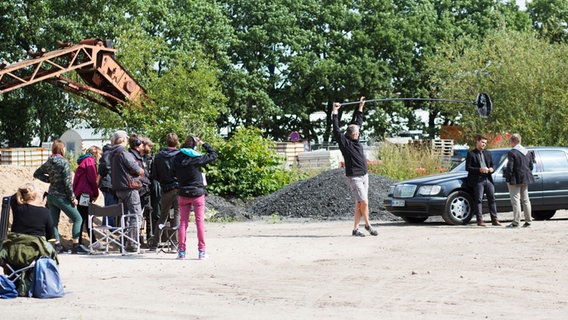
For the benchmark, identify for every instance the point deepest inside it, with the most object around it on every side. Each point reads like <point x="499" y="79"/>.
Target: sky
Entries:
<point x="522" y="4"/>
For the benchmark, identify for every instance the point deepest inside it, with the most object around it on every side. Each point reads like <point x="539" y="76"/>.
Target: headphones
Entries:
<point x="136" y="142"/>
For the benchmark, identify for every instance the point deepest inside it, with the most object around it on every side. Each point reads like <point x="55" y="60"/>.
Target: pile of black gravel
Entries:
<point x="323" y="197"/>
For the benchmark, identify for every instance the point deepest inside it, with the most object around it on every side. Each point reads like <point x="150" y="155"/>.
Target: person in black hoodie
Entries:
<point x="355" y="165"/>
<point x="191" y="183"/>
<point x="162" y="171"/>
<point x="104" y="182"/>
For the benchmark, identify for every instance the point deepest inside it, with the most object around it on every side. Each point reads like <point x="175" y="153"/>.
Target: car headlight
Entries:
<point x="429" y="190"/>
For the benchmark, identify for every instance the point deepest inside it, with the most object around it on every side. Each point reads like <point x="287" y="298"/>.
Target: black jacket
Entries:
<point x="352" y="150"/>
<point x="519" y="166"/>
<point x="162" y="169"/>
<point x="473" y="164"/>
<point x="188" y="171"/>
<point x="104" y="170"/>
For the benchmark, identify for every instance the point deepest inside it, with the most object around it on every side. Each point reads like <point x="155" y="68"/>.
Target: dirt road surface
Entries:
<point x="317" y="270"/>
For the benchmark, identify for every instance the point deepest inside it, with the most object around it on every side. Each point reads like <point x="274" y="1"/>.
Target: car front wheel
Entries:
<point x="459" y="208"/>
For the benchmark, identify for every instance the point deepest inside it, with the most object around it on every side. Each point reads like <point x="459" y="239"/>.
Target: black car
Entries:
<point x="448" y="195"/>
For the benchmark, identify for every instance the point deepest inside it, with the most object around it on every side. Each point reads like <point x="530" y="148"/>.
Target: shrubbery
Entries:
<point x="248" y="166"/>
<point x="401" y="162"/>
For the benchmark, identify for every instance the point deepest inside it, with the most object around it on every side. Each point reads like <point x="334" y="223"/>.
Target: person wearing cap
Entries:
<point x="479" y="166"/>
<point x="125" y="178"/>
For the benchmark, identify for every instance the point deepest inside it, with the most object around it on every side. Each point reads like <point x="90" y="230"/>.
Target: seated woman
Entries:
<point x="28" y="216"/>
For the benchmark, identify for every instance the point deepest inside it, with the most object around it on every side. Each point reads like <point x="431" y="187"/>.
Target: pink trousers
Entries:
<point x="185" y="204"/>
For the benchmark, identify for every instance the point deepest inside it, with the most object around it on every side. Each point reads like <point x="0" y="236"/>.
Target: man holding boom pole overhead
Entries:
<point x="355" y="165"/>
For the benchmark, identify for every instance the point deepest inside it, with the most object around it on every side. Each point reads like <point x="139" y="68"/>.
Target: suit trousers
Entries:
<point x="482" y="186"/>
<point x="520" y="196"/>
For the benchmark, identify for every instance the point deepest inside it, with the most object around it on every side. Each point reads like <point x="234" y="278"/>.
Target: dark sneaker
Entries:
<point x="59" y="248"/>
<point x="512" y="225"/>
<point x="371" y="231"/>
<point x="357" y="233"/>
<point x="526" y="225"/>
<point x="79" y="249"/>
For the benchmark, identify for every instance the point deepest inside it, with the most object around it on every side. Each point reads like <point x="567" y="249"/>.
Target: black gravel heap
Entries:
<point x="324" y="197"/>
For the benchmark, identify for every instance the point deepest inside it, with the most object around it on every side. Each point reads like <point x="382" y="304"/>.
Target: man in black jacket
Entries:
<point x="519" y="176"/>
<point x="162" y="171"/>
<point x="479" y="166"/>
<point x="355" y="166"/>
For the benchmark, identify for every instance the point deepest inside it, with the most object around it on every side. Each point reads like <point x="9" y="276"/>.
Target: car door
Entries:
<point x="502" y="198"/>
<point x="553" y="176"/>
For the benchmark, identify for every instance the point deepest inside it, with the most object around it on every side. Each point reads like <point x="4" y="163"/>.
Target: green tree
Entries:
<point x="525" y="77"/>
<point x="550" y="19"/>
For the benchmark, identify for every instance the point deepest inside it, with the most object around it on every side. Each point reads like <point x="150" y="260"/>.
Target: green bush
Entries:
<point x="248" y="166"/>
<point x="401" y="162"/>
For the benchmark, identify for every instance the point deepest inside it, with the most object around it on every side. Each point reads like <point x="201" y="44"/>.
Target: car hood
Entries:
<point x="436" y="178"/>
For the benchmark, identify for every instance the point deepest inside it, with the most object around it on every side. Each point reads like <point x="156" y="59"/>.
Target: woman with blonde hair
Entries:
<point x="57" y="173"/>
<point x="28" y="216"/>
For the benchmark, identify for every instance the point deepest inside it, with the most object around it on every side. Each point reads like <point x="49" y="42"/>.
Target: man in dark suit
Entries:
<point x="479" y="166"/>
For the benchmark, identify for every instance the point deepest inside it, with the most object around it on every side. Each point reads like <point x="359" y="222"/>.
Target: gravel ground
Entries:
<point x="323" y="197"/>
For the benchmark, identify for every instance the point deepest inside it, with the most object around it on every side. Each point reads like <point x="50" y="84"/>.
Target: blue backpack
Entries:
<point x="7" y="288"/>
<point x="46" y="282"/>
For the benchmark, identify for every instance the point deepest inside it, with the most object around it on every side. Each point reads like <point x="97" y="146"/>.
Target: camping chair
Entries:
<point x="106" y="234"/>
<point x="170" y="235"/>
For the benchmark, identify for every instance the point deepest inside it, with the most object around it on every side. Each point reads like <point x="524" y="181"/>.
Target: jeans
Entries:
<point x="58" y="204"/>
<point x="185" y="204"/>
<point x="110" y="199"/>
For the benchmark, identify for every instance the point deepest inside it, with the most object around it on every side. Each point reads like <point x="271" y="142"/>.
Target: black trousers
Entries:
<point x="482" y="186"/>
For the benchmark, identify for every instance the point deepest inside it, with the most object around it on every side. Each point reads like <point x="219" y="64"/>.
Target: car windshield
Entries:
<point x="498" y="155"/>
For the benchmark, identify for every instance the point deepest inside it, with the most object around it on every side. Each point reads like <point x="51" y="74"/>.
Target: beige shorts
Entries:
<point x="359" y="187"/>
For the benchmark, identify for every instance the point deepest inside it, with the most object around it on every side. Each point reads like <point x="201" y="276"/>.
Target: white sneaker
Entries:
<point x="98" y="246"/>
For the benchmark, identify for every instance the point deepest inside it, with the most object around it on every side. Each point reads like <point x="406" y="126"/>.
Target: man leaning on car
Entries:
<point x="479" y="166"/>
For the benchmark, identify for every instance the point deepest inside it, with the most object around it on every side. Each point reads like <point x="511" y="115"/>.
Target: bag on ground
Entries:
<point x="46" y="281"/>
<point x="7" y="288"/>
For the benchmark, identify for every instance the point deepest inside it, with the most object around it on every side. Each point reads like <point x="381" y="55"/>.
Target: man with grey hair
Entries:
<point x="356" y="168"/>
<point x="125" y="178"/>
<point x="519" y="175"/>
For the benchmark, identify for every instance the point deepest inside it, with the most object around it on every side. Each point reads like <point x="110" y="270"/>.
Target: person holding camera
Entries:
<point x="188" y="164"/>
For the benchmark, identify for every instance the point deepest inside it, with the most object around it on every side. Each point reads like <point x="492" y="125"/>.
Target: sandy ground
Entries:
<point x="317" y="270"/>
